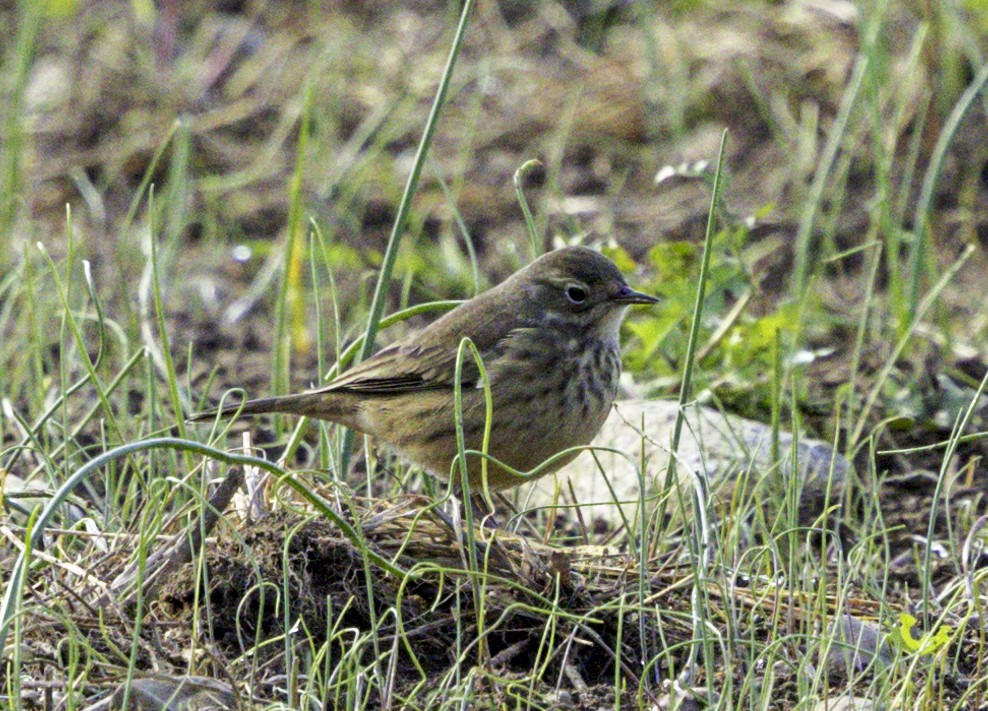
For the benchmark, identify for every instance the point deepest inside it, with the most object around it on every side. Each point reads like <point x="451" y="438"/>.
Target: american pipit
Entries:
<point x="548" y="337"/>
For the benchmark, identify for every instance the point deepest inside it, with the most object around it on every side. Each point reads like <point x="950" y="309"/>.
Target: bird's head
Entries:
<point x="580" y="288"/>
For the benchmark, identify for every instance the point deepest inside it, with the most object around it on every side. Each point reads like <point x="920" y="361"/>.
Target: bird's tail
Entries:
<point x="336" y="407"/>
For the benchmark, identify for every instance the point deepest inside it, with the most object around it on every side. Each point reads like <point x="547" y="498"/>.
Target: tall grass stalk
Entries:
<point x="468" y="347"/>
<point x="921" y="218"/>
<point x="462" y="226"/>
<point x="855" y="437"/>
<point x="530" y="227"/>
<point x="405" y="206"/>
<point x="822" y="173"/>
<point x="946" y="467"/>
<point x="80" y="343"/>
<point x="700" y="529"/>
<point x="17" y="67"/>
<point x="179" y="403"/>
<point x="289" y="310"/>
<point x="329" y="453"/>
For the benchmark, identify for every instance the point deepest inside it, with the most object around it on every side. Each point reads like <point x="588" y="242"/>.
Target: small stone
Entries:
<point x="180" y="693"/>
<point x="846" y="703"/>
<point x="856" y="644"/>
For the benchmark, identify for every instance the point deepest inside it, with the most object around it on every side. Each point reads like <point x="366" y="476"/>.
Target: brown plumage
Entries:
<point x="548" y="337"/>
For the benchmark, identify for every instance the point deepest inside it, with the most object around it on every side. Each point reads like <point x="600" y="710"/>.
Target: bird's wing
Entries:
<point x="405" y="367"/>
<point x="427" y="360"/>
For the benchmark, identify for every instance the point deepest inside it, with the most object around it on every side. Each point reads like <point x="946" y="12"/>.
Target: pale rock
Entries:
<point x="714" y="446"/>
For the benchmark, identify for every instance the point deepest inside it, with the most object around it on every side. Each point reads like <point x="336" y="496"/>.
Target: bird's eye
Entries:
<point x="576" y="294"/>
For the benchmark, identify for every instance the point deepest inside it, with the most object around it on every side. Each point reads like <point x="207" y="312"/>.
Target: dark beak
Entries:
<point x="627" y="295"/>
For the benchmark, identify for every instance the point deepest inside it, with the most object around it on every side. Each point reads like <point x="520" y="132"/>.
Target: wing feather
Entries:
<point x="427" y="360"/>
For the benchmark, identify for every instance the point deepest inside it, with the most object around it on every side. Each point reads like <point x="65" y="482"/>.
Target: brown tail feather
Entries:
<point x="335" y="407"/>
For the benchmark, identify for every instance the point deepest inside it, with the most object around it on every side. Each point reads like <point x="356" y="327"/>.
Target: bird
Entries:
<point x="548" y="337"/>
